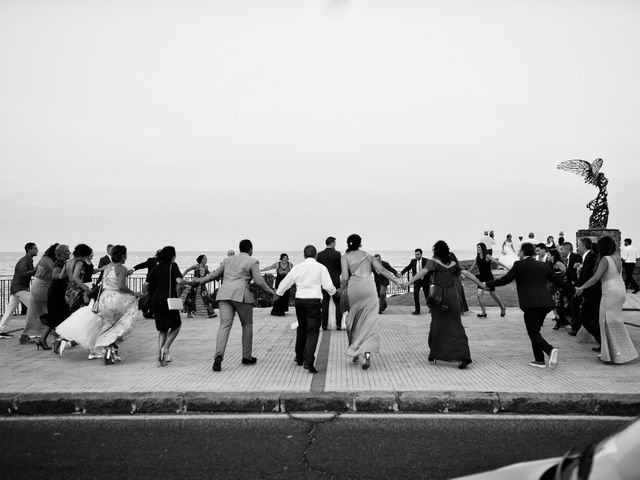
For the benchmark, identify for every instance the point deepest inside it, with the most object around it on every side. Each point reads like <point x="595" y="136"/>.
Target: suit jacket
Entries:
<point x="572" y="272"/>
<point x="381" y="280"/>
<point x="531" y="278"/>
<point x="592" y="294"/>
<point x="237" y="272"/>
<point x="104" y="261"/>
<point x="412" y="266"/>
<point x="330" y="258"/>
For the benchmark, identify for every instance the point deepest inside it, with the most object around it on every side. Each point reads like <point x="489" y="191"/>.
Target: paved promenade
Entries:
<point x="400" y="378"/>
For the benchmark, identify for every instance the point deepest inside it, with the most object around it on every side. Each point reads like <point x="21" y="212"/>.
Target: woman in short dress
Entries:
<point x="447" y="339"/>
<point x="163" y="282"/>
<point x="484" y="261"/>
<point x="357" y="279"/>
<point x="198" y="300"/>
<point x="39" y="293"/>
<point x="616" y="345"/>
<point x="282" y="267"/>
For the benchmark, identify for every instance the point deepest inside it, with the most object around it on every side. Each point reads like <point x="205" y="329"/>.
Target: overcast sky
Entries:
<point x="198" y="123"/>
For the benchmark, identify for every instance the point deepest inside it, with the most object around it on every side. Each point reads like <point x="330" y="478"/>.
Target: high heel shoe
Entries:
<point x="41" y="345"/>
<point x="162" y="361"/>
<point x="367" y="361"/>
<point x="503" y="311"/>
<point x="63" y="344"/>
<point x="109" y="356"/>
<point x="482" y="315"/>
<point x="56" y="346"/>
<point x="356" y="359"/>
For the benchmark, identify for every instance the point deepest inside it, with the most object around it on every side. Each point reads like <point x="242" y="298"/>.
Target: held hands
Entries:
<point x="579" y="291"/>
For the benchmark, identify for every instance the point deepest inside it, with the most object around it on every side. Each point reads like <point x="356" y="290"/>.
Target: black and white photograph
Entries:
<point x="320" y="239"/>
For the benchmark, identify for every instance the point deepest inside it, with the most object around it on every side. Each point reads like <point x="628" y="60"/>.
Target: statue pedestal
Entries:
<point x="596" y="233"/>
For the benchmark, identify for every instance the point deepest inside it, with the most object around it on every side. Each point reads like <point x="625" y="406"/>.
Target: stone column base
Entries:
<point x="596" y="233"/>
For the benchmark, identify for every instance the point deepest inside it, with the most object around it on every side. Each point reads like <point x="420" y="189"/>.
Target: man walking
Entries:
<point x="572" y="308"/>
<point x="104" y="261"/>
<point x="312" y="279"/>
<point x="534" y="298"/>
<point x="415" y="265"/>
<point x="234" y="296"/>
<point x="382" y="283"/>
<point x="330" y="258"/>
<point x="589" y="316"/>
<point x="20" y="283"/>
<point x="629" y="257"/>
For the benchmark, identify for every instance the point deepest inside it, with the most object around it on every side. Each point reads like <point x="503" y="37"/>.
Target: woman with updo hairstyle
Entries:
<point x="358" y="286"/>
<point x="447" y="339"/>
<point x="282" y="268"/>
<point x="197" y="301"/>
<point x="117" y="308"/>
<point x="616" y="345"/>
<point x="77" y="294"/>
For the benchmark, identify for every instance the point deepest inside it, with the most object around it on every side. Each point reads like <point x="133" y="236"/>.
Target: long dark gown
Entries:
<point x="281" y="305"/>
<point x="57" y="306"/>
<point x="447" y="339"/>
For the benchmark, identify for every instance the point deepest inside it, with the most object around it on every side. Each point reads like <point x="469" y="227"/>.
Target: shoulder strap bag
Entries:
<point x="173" y="303"/>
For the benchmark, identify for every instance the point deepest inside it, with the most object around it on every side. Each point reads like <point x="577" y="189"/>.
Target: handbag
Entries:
<point x="95" y="307"/>
<point x="173" y="303"/>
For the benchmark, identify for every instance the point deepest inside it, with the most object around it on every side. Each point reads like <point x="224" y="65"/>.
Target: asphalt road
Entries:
<point x="285" y="447"/>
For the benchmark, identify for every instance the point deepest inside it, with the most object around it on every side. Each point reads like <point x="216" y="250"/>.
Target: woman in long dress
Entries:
<point x="282" y="268"/>
<point x="484" y="262"/>
<point x="509" y="254"/>
<point x="57" y="306"/>
<point x="117" y="307"/>
<point x="198" y="300"/>
<point x="616" y="346"/>
<point x="77" y="291"/>
<point x="447" y="338"/>
<point x="39" y="293"/>
<point x="357" y="279"/>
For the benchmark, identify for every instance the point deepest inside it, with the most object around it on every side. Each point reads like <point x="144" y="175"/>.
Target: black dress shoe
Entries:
<point x="415" y="313"/>
<point x="217" y="364"/>
<point x="311" y="369"/>
<point x="596" y="349"/>
<point x="249" y="361"/>
<point x="298" y="361"/>
<point x="338" y="328"/>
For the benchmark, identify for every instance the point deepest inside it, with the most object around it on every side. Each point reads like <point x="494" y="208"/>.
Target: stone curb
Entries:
<point x="125" y="403"/>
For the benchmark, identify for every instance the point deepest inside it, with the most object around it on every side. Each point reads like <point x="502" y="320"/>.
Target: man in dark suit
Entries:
<point x="415" y="265"/>
<point x="589" y="315"/>
<point x="330" y="258"/>
<point x="382" y="283"/>
<point x="571" y="260"/>
<point x="534" y="298"/>
<point x="104" y="261"/>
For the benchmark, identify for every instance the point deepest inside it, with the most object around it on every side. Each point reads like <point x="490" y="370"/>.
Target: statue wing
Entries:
<point x="596" y="165"/>
<point x="580" y="167"/>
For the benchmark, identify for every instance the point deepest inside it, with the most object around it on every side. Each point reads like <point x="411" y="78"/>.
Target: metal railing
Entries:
<point x="136" y="283"/>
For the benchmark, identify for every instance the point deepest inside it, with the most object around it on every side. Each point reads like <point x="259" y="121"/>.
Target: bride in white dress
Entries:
<point x="509" y="255"/>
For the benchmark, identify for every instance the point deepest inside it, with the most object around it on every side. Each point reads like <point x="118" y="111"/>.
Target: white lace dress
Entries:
<point x="116" y="309"/>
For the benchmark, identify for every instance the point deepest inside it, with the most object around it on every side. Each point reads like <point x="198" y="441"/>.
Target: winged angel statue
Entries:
<point x="592" y="174"/>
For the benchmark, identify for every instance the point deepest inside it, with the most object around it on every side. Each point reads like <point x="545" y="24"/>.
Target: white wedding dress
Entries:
<point x="509" y="255"/>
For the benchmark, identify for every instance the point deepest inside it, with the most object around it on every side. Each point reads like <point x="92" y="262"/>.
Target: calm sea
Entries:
<point x="396" y="258"/>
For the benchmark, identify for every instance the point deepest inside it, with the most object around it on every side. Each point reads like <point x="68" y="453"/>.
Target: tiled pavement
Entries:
<point x="500" y="351"/>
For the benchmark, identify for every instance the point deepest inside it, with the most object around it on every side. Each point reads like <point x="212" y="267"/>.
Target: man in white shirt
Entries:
<point x="629" y="257"/>
<point x="488" y="241"/>
<point x="310" y="277"/>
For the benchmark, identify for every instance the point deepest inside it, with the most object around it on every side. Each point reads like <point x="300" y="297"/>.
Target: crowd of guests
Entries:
<point x="584" y="290"/>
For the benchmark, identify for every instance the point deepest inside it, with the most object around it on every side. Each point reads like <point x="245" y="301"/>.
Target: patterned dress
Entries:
<point x="197" y="299"/>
